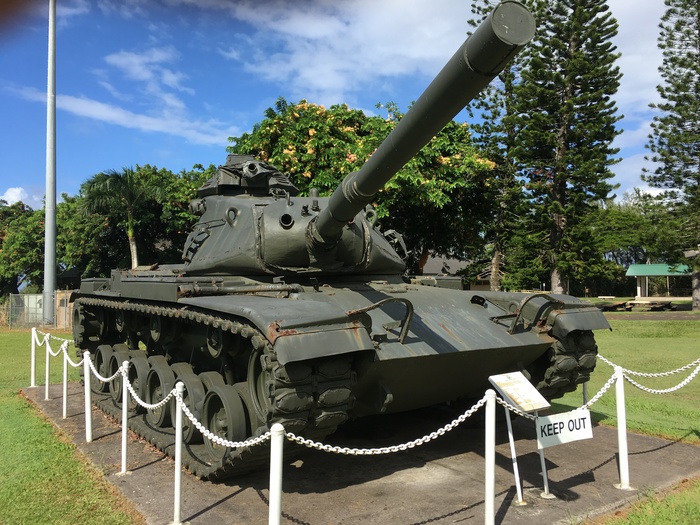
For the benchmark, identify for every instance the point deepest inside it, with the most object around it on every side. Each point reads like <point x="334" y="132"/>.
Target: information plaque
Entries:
<point x="518" y="391"/>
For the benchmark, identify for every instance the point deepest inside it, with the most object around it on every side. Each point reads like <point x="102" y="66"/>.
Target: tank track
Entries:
<point x="568" y="363"/>
<point x="310" y="399"/>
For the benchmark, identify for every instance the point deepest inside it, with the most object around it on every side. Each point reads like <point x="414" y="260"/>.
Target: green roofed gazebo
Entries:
<point x="643" y="271"/>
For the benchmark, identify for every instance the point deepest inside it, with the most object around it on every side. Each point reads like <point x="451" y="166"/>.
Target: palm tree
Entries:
<point x="122" y="191"/>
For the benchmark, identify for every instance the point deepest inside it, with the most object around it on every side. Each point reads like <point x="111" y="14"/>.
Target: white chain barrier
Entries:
<point x="617" y="379"/>
<point x="389" y="450"/>
<point x="627" y="373"/>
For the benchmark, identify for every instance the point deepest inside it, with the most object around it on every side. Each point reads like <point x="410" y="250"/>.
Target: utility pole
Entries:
<point x="50" y="198"/>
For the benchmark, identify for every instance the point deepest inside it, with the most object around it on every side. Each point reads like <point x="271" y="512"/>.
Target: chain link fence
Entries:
<point x="27" y="311"/>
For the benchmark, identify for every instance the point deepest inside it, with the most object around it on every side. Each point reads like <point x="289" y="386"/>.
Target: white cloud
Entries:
<point x="637" y="41"/>
<point x="635" y="133"/>
<point x="13" y="195"/>
<point x="32" y="197"/>
<point x="329" y="52"/>
<point x="230" y="53"/>
<point x="148" y="68"/>
<point x="208" y="132"/>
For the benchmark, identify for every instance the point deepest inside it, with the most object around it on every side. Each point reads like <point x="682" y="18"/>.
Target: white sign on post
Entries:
<point x="563" y="428"/>
<point x="518" y="391"/>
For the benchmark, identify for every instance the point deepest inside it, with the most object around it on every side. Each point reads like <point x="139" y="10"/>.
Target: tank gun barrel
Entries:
<point x="506" y="30"/>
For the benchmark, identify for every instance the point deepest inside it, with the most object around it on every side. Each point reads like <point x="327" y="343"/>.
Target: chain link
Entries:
<point x="512" y="408"/>
<point x="212" y="437"/>
<point x="602" y="391"/>
<point x="63" y="348"/>
<point x="649" y="374"/>
<point x="666" y="390"/>
<point x="125" y="374"/>
<point x="43" y="341"/>
<point x="60" y="349"/>
<point x="388" y="450"/>
<point x="98" y="376"/>
<point x="70" y="361"/>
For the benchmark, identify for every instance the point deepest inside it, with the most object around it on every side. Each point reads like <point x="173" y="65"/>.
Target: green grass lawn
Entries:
<point x="651" y="346"/>
<point x="648" y="346"/>
<point x="45" y="480"/>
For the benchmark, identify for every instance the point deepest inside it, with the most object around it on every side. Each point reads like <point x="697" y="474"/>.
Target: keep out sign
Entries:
<point x="563" y="428"/>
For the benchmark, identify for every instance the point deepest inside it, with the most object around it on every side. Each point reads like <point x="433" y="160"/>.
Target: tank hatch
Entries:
<point x="244" y="174"/>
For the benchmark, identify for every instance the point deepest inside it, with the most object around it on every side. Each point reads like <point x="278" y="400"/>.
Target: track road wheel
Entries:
<point x="225" y="417"/>
<point x="116" y="385"/>
<point x="102" y="357"/>
<point x="193" y="396"/>
<point x="211" y="379"/>
<point x="138" y="372"/>
<point x="159" y="383"/>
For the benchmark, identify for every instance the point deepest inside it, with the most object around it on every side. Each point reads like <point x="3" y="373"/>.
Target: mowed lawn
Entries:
<point x="45" y="480"/>
<point x="651" y="346"/>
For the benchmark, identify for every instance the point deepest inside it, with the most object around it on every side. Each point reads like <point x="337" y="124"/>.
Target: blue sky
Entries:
<point x="166" y="82"/>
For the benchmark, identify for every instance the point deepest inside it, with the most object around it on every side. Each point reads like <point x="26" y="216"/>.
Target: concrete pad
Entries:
<point x="440" y="482"/>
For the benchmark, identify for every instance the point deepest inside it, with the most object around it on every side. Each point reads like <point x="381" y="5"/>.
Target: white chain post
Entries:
<point x="179" y="388"/>
<point x="514" y="459"/>
<point x="490" y="459"/>
<point x="47" y="340"/>
<point x="65" y="380"/>
<point x="621" y="430"/>
<point x="276" y="453"/>
<point x="88" y="397"/>
<point x="545" y="494"/>
<point x="32" y="371"/>
<point x="125" y="412"/>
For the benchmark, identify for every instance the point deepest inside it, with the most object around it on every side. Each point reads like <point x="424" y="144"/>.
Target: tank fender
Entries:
<point x="310" y="345"/>
<point x="297" y="332"/>
<point x="563" y="322"/>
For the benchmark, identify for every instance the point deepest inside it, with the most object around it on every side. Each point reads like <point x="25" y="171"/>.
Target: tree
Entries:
<point x="495" y="134"/>
<point x="175" y="218"/>
<point x="21" y="247"/>
<point x="88" y="243"/>
<point x="675" y="139"/>
<point x="435" y="200"/>
<point x="566" y="126"/>
<point x="124" y="191"/>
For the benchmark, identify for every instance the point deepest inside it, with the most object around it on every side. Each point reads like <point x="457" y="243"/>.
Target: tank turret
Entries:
<point x="253" y="222"/>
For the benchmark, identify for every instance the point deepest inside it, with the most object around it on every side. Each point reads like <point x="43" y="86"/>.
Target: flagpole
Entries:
<point x="50" y="199"/>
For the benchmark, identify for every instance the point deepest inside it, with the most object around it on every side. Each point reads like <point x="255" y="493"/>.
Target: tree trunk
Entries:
<point x="134" y="253"/>
<point x="557" y="281"/>
<point x="696" y="289"/>
<point x="495" y="278"/>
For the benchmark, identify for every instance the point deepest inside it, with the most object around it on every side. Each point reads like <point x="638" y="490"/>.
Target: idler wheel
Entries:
<point x="260" y="382"/>
<point x="138" y="372"/>
<point x="159" y="383"/>
<point x="116" y="385"/>
<point x="102" y="357"/>
<point x="193" y="396"/>
<point x="225" y="417"/>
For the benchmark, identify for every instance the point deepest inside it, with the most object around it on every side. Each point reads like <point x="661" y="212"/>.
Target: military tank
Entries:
<point x="294" y="309"/>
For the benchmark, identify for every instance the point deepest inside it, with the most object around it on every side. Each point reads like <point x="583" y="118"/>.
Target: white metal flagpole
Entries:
<point x="50" y="197"/>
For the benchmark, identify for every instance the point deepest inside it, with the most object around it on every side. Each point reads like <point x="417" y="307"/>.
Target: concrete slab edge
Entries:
<point x="624" y="502"/>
